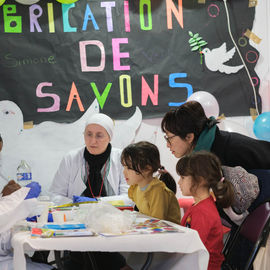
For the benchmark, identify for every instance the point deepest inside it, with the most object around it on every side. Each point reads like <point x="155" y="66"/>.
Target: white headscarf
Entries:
<point x="102" y="120"/>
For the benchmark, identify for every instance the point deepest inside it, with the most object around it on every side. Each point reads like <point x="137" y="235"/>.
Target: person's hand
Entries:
<point x="10" y="187"/>
<point x="78" y="199"/>
<point x="34" y="191"/>
<point x="34" y="218"/>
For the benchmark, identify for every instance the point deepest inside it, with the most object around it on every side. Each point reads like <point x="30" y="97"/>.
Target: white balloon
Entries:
<point x="27" y="2"/>
<point x="208" y="102"/>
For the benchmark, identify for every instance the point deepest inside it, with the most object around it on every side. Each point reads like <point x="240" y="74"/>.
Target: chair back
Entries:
<point x="241" y="248"/>
<point x="255" y="222"/>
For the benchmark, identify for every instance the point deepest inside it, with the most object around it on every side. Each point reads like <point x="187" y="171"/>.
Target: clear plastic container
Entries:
<point x="24" y="174"/>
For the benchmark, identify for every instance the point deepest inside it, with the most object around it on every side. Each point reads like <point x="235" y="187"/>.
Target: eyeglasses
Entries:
<point x="168" y="139"/>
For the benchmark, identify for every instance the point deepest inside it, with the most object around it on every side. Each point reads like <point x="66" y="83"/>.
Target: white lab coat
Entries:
<point x="12" y="209"/>
<point x="69" y="178"/>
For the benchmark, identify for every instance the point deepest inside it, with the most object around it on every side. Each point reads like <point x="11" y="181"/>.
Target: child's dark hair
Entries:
<point x="144" y="155"/>
<point x="206" y="165"/>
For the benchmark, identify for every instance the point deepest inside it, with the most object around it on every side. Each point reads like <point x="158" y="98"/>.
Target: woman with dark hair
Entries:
<point x="188" y="129"/>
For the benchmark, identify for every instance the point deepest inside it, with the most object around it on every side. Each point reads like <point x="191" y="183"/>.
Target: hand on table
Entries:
<point x="78" y="199"/>
<point x="10" y="187"/>
<point x="34" y="191"/>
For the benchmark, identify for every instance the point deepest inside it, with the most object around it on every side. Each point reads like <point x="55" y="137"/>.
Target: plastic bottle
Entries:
<point x="24" y="174"/>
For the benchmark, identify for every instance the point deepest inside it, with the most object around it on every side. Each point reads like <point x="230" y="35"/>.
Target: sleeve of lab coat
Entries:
<point x="5" y="244"/>
<point x="14" y="208"/>
<point x="59" y="186"/>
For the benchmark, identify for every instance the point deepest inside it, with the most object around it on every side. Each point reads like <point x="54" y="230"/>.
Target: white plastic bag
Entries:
<point x="102" y="217"/>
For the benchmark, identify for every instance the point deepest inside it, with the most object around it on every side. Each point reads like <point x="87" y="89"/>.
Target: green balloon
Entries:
<point x="2" y="2"/>
<point x="65" y="1"/>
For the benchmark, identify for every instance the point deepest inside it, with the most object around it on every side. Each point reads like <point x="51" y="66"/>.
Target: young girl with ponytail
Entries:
<point x="153" y="196"/>
<point x="200" y="173"/>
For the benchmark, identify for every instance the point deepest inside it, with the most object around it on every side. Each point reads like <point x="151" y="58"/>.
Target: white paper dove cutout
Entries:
<point x="44" y="145"/>
<point x="125" y="131"/>
<point x="11" y="118"/>
<point x="215" y="59"/>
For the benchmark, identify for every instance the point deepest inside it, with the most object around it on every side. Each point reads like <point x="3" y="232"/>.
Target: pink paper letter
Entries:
<point x="56" y="105"/>
<point x="84" y="66"/>
<point x="117" y="55"/>
<point x="146" y="91"/>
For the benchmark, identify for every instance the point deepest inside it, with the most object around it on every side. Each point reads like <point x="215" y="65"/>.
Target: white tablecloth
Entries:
<point x="184" y="249"/>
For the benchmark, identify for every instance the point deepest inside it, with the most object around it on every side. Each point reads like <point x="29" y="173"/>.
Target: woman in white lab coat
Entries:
<point x="93" y="171"/>
<point x="71" y="176"/>
<point x="13" y="208"/>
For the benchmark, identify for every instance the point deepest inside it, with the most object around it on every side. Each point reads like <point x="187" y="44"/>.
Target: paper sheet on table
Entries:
<point x="149" y="226"/>
<point x="118" y="198"/>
